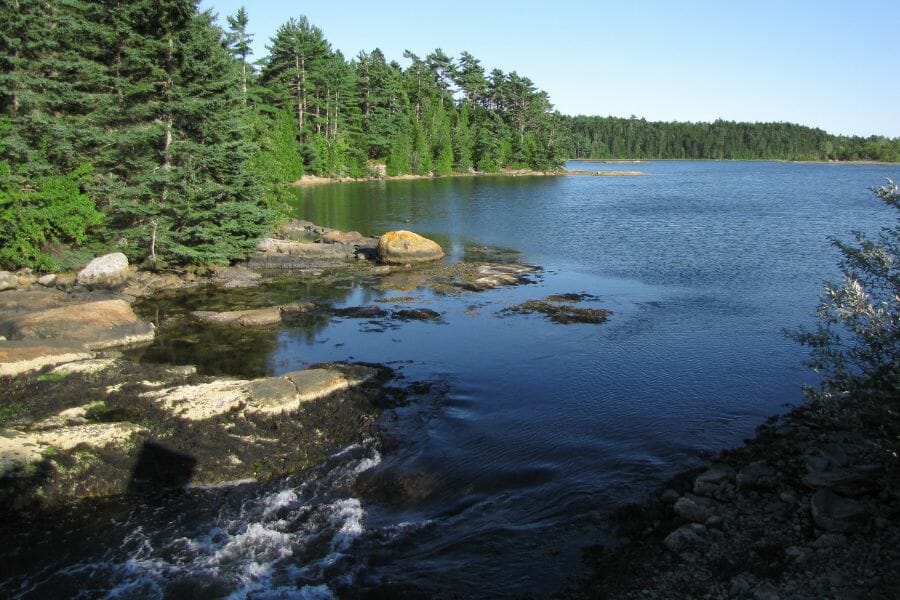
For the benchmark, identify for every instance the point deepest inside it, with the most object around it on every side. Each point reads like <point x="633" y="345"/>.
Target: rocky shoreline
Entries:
<point x="79" y="419"/>
<point x="808" y="508"/>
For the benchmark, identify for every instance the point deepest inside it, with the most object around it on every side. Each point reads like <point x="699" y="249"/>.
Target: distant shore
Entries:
<point x="625" y="161"/>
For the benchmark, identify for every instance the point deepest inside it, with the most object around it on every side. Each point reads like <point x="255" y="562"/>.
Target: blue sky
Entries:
<point x="826" y="63"/>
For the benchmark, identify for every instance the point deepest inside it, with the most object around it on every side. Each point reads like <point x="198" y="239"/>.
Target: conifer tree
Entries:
<point x="238" y="41"/>
<point x="184" y="193"/>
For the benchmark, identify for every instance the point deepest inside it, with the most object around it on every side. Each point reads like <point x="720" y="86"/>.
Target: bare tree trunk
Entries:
<point x="153" y="241"/>
<point x="301" y="90"/>
<point x="244" y="80"/>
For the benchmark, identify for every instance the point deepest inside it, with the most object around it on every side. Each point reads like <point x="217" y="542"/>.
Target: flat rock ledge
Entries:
<point x="52" y="336"/>
<point x="272" y="395"/>
<point x="301" y="245"/>
<point x="19" y="449"/>
<point x="98" y="426"/>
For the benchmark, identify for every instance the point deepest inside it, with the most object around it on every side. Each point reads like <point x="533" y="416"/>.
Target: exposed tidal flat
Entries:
<point x="488" y="443"/>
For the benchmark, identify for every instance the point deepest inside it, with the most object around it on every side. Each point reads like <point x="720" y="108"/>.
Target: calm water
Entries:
<point x="535" y="431"/>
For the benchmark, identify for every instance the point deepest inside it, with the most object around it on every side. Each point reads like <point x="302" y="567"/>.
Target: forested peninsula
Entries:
<point x="145" y="127"/>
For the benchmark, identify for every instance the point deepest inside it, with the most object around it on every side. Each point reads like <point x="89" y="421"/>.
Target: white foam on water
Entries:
<point x="289" y="543"/>
<point x="347" y="516"/>
<point x="277" y="501"/>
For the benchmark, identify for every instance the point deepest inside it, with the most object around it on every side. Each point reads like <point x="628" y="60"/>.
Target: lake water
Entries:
<point x="534" y="431"/>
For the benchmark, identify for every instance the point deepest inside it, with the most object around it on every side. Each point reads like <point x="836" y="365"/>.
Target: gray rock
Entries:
<point x="684" y="538"/>
<point x="799" y="554"/>
<point x="715" y="522"/>
<point x="109" y="271"/>
<point x="835" y="513"/>
<point x="757" y="475"/>
<point x="710" y="482"/>
<point x="669" y="496"/>
<point x="788" y="496"/>
<point x="854" y="480"/>
<point x="48" y="280"/>
<point x="692" y="508"/>
<point x="8" y="281"/>
<point x="830" y="540"/>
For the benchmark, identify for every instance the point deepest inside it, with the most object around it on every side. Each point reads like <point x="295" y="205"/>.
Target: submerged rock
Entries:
<point x="361" y="312"/>
<point x="258" y="317"/>
<point x="558" y="312"/>
<point x="402" y="247"/>
<point x="418" y="314"/>
<point x="110" y="270"/>
<point x="496" y="275"/>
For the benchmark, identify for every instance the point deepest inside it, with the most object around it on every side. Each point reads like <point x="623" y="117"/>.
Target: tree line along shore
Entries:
<point x="144" y="127"/>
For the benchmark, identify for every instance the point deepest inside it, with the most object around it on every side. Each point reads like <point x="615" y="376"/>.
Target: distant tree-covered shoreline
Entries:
<point x="143" y="126"/>
<point x="615" y="137"/>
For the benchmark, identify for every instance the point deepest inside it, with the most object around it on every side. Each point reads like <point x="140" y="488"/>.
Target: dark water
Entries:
<point x="493" y="486"/>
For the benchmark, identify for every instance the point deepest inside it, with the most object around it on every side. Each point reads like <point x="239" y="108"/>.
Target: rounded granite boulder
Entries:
<point x="107" y="271"/>
<point x="402" y="247"/>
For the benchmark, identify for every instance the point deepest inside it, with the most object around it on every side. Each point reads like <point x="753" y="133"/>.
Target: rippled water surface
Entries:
<point x="492" y="484"/>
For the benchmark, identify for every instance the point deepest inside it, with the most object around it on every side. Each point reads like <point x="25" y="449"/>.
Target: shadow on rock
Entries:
<point x="159" y="469"/>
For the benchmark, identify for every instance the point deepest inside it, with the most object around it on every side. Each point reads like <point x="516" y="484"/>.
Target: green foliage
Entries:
<point x="856" y="343"/>
<point x="276" y="161"/>
<point x="54" y="211"/>
<point x="401" y="150"/>
<point x="463" y="142"/>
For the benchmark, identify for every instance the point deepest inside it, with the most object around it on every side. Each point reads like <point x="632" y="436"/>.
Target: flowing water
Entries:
<point x="492" y="484"/>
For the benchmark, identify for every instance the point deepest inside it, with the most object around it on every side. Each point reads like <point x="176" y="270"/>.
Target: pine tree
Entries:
<point x="184" y="193"/>
<point x="398" y="161"/>
<point x="238" y="42"/>
<point x="463" y="141"/>
<point x="277" y="158"/>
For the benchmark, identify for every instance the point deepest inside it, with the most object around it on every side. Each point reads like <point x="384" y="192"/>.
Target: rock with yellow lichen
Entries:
<point x="402" y="247"/>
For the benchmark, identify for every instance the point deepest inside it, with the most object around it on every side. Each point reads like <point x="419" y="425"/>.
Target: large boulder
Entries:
<point x="402" y="247"/>
<point x="92" y="325"/>
<point x="110" y="270"/>
<point x="8" y="281"/>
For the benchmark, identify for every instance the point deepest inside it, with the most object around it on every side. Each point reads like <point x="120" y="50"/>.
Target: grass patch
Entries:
<point x="52" y="377"/>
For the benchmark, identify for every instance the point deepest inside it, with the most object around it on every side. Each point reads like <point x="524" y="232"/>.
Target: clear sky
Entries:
<point x="824" y="63"/>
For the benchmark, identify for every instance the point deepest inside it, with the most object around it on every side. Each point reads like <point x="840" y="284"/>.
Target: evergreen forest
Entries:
<point x="143" y="126"/>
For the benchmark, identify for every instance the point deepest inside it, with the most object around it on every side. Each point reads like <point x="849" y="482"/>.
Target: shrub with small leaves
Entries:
<point x="856" y="343"/>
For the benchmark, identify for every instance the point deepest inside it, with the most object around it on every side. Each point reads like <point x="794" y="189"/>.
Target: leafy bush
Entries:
<point x="54" y="210"/>
<point x="856" y="343"/>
